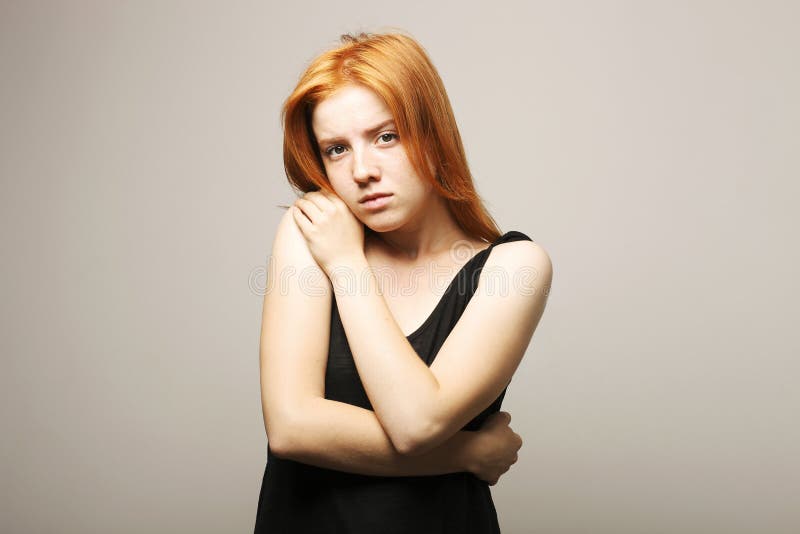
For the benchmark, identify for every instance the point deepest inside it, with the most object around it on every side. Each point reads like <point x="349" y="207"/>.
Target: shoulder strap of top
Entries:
<point x="512" y="235"/>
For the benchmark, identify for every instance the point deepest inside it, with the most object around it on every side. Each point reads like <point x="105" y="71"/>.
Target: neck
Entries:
<point x="430" y="234"/>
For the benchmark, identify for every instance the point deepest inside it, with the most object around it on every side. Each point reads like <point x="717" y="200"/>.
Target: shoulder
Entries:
<point x="289" y="242"/>
<point x="292" y="259"/>
<point x="287" y="234"/>
<point x="520" y="253"/>
<point x="525" y="264"/>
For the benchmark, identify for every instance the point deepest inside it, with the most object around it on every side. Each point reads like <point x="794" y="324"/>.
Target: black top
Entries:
<point x="298" y="498"/>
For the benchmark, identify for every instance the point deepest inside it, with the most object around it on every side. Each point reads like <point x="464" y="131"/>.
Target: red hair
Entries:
<point x="396" y="68"/>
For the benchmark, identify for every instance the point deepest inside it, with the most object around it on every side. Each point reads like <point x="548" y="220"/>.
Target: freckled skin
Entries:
<point x="366" y="162"/>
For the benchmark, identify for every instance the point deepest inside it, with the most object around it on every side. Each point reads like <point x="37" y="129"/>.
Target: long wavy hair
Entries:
<point x="397" y="68"/>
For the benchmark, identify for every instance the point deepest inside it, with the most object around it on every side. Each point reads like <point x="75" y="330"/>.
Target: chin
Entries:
<point x="382" y="228"/>
<point x="381" y="224"/>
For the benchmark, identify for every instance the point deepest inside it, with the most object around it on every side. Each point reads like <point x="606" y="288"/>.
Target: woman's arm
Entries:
<point x="422" y="406"/>
<point x="366" y="449"/>
<point x="340" y="436"/>
<point x="300" y="423"/>
<point x="419" y="406"/>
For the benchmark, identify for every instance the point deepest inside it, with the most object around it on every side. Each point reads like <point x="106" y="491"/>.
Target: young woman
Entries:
<point x="381" y="398"/>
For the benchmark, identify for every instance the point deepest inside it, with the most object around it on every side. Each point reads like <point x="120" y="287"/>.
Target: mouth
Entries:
<point x="376" y="201"/>
<point x="373" y="196"/>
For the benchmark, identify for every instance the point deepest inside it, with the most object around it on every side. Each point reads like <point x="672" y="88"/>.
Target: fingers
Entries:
<point x="505" y="417"/>
<point x="322" y="199"/>
<point x="309" y="209"/>
<point x="303" y="223"/>
<point x="315" y="203"/>
<point x="497" y="419"/>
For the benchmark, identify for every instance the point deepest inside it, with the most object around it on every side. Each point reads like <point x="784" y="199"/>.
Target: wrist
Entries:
<point x="465" y="451"/>
<point x="348" y="272"/>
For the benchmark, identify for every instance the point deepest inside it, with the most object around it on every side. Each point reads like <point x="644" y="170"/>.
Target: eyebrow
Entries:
<point x="372" y="130"/>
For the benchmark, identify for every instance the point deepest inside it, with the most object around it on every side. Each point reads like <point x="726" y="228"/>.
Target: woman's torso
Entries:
<point x="305" y="499"/>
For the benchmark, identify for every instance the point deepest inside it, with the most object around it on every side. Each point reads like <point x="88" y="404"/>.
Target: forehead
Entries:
<point x="349" y="110"/>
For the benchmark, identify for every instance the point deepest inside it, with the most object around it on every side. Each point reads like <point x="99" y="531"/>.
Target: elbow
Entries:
<point x="278" y="442"/>
<point x="280" y="437"/>
<point x="420" y="440"/>
<point x="279" y="445"/>
<point x="291" y="431"/>
<point x="406" y="446"/>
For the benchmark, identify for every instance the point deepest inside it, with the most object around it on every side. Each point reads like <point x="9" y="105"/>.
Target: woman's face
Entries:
<point x="363" y="155"/>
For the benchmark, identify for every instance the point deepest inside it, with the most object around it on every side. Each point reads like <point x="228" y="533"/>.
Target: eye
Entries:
<point x="334" y="150"/>
<point x="331" y="151"/>
<point x="391" y="136"/>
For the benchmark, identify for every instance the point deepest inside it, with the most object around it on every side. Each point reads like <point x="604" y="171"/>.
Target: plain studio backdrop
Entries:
<point x="651" y="147"/>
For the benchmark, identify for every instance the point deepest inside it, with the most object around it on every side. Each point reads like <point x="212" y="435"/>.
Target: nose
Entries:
<point x="362" y="169"/>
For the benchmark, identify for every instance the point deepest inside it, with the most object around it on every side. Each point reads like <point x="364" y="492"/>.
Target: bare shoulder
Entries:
<point x="292" y="262"/>
<point x="289" y="239"/>
<point x="525" y="264"/>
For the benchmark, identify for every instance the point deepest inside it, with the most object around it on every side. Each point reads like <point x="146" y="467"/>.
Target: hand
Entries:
<point x="334" y="235"/>
<point x="496" y="447"/>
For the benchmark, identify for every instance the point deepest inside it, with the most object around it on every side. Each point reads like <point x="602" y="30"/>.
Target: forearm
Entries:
<point x="400" y="386"/>
<point x="340" y="436"/>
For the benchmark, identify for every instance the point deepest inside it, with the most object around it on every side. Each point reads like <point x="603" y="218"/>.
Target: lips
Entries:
<point x="373" y="196"/>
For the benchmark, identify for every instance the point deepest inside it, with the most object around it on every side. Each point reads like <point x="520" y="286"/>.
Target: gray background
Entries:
<point x="651" y="147"/>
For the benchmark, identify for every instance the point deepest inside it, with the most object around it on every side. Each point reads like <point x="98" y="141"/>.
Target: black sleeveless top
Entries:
<point x="298" y="498"/>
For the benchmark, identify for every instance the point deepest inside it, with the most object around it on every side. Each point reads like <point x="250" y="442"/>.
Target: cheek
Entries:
<point x="336" y="182"/>
<point x="421" y="187"/>
<point x="348" y="195"/>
